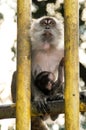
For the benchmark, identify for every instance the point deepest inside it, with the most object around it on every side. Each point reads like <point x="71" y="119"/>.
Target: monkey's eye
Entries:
<point x="43" y="23"/>
<point x="52" y="23"/>
<point x="47" y="22"/>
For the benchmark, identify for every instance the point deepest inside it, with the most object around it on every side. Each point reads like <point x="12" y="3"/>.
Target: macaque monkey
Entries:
<point x="47" y="66"/>
<point x="47" y="45"/>
<point x="47" y="60"/>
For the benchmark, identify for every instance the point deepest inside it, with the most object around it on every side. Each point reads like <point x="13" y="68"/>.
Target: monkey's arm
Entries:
<point x="58" y="86"/>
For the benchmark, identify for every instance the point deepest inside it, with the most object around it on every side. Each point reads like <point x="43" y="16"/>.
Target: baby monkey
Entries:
<point x="45" y="81"/>
<point x="47" y="60"/>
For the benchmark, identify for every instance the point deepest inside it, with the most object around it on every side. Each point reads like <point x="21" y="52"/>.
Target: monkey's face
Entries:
<point x="47" y="24"/>
<point x="46" y="32"/>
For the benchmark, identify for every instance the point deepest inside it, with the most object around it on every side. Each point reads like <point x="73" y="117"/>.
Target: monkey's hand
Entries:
<point x="44" y="81"/>
<point x="58" y="96"/>
<point x="41" y="105"/>
<point x="57" y="93"/>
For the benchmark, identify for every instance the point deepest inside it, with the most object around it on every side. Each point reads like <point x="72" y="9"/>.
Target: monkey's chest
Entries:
<point x="45" y="62"/>
<point x="48" y="63"/>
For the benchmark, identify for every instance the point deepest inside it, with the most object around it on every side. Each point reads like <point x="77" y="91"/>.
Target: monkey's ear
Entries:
<point x="33" y="20"/>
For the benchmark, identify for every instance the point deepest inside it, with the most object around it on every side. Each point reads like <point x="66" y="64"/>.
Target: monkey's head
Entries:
<point x="46" y="32"/>
<point x="45" y="82"/>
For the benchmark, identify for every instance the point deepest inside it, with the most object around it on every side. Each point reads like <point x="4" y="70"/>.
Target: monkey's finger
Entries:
<point x="45" y="108"/>
<point x="59" y="96"/>
<point x="40" y="107"/>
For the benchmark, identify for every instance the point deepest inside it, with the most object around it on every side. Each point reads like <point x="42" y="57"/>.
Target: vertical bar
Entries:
<point x="23" y="115"/>
<point x="71" y="65"/>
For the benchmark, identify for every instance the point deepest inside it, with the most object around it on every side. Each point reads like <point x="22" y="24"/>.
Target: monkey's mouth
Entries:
<point x="47" y="36"/>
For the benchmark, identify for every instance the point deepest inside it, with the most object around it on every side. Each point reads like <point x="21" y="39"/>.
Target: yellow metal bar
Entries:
<point x="23" y="107"/>
<point x="71" y="65"/>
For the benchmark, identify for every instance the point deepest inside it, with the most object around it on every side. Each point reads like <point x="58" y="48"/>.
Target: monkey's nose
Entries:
<point x="47" y="27"/>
